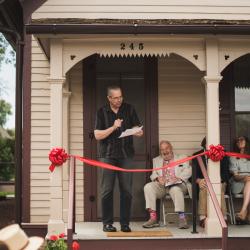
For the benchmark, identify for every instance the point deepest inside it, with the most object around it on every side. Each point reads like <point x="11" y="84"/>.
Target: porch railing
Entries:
<point x="214" y="201"/>
<point x="71" y="209"/>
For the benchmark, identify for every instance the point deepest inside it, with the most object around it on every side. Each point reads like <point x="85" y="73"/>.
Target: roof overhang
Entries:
<point x="119" y="26"/>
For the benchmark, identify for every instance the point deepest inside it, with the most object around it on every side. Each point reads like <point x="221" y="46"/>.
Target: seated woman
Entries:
<point x="240" y="182"/>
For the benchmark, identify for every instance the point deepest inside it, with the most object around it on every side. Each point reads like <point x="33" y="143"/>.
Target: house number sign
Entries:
<point x="131" y="46"/>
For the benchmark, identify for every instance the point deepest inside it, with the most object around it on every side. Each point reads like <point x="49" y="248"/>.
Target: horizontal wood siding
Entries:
<point x="40" y="136"/>
<point x="76" y="131"/>
<point x="181" y="104"/>
<point x="145" y="9"/>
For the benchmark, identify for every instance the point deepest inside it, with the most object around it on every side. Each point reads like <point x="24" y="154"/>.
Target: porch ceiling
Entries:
<point x="11" y="19"/>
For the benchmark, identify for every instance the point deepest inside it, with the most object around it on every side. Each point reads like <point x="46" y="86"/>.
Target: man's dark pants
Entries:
<point x="107" y="190"/>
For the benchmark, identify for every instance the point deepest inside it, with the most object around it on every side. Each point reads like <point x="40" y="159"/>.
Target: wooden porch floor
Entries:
<point x="93" y="231"/>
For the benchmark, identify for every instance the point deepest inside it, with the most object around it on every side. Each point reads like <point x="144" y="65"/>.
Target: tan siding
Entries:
<point x="76" y="132"/>
<point x="39" y="218"/>
<point x="40" y="135"/>
<point x="145" y="9"/>
<point x="181" y="104"/>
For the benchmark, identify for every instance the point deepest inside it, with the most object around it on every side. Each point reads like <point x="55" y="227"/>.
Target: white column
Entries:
<point x="66" y="98"/>
<point x="56" y="223"/>
<point x="212" y="80"/>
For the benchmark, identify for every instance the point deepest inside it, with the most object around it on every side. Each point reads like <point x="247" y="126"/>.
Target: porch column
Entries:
<point x="212" y="80"/>
<point x="56" y="223"/>
<point x="66" y="99"/>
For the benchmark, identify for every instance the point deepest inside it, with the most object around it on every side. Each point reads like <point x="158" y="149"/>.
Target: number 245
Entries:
<point x="132" y="46"/>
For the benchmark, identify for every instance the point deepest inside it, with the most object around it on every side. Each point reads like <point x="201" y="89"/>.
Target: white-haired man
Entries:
<point x="172" y="181"/>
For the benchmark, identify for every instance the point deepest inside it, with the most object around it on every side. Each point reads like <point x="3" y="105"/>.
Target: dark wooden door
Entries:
<point x="226" y="111"/>
<point x="138" y="79"/>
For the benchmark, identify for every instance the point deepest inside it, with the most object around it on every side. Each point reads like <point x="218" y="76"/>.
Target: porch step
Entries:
<point x="164" y="244"/>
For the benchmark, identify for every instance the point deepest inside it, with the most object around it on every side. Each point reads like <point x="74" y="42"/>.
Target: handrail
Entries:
<point x="215" y="203"/>
<point x="71" y="222"/>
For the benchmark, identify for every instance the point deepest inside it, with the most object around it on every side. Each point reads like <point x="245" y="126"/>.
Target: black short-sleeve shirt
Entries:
<point x="112" y="146"/>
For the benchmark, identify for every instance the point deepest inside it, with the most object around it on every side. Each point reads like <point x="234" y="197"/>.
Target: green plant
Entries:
<point x="7" y="167"/>
<point x="56" y="242"/>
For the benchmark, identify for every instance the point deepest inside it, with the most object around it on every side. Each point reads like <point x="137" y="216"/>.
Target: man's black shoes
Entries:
<point x="125" y="228"/>
<point x="109" y="228"/>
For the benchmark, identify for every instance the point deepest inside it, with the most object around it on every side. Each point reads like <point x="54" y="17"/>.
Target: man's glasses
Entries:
<point x="116" y="98"/>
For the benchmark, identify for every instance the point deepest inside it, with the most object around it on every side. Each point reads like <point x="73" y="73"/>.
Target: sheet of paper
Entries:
<point x="171" y="178"/>
<point x="130" y="131"/>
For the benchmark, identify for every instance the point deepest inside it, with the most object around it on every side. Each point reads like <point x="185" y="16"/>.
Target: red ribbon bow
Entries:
<point x="216" y="153"/>
<point x="57" y="156"/>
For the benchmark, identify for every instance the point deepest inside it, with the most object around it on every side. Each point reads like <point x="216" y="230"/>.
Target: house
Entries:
<point x="183" y="64"/>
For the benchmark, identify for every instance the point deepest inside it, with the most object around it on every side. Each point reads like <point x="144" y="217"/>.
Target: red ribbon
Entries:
<point x="58" y="156"/>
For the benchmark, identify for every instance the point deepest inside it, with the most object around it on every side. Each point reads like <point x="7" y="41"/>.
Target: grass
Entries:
<point x="4" y="194"/>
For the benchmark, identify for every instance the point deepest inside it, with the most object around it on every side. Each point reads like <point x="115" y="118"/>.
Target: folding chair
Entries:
<point x="235" y="196"/>
<point x="163" y="213"/>
<point x="229" y="202"/>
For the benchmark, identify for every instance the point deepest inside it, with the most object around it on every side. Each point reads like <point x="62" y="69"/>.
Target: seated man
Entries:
<point x="172" y="181"/>
<point x="202" y="187"/>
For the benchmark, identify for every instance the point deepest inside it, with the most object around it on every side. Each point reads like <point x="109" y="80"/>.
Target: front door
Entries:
<point x="137" y="78"/>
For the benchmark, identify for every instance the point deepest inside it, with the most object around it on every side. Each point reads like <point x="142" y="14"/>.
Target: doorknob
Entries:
<point x="91" y="135"/>
<point x="92" y="198"/>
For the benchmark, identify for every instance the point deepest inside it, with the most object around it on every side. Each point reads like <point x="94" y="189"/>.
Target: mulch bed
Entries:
<point x="7" y="212"/>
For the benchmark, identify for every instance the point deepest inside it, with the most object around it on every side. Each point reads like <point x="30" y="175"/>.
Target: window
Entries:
<point x="241" y="81"/>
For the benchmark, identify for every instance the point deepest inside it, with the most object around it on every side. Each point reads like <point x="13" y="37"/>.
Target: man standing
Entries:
<point x="112" y="119"/>
<point x="172" y="181"/>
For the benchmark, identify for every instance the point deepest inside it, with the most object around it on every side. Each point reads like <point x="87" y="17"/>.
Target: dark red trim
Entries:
<point x="29" y="6"/>
<point x="26" y="130"/>
<point x="164" y="244"/>
<point x="89" y="107"/>
<point x="152" y="129"/>
<point x="35" y="230"/>
<point x="137" y="29"/>
<point x="90" y="175"/>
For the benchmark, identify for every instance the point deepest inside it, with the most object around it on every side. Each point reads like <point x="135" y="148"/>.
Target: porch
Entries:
<point x="91" y="236"/>
<point x="186" y="108"/>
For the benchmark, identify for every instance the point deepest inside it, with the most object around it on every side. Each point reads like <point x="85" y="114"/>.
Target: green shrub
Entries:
<point x="7" y="166"/>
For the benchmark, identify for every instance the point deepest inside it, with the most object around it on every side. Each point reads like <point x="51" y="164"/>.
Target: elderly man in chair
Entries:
<point x="172" y="181"/>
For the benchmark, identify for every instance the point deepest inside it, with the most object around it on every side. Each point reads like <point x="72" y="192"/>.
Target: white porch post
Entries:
<point x="212" y="79"/>
<point x="66" y="99"/>
<point x="56" y="223"/>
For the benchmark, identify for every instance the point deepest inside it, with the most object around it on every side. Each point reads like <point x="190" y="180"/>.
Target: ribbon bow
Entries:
<point x="57" y="156"/>
<point x="216" y="153"/>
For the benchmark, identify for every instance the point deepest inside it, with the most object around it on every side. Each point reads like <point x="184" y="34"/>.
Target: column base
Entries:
<point x="213" y="227"/>
<point x="55" y="227"/>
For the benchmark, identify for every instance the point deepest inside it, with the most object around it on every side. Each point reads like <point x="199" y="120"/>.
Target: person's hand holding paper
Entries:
<point x="137" y="131"/>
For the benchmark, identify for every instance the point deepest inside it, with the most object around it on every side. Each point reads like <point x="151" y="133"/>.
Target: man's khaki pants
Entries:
<point x="154" y="190"/>
<point x="202" y="207"/>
